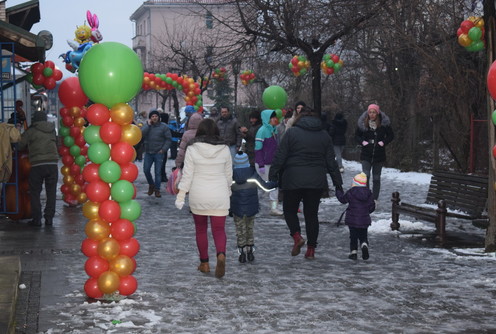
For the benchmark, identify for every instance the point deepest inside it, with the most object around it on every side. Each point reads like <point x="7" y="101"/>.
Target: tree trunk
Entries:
<point x="316" y="88"/>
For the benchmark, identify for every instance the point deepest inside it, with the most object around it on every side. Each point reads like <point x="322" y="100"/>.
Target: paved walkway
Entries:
<point x="408" y="285"/>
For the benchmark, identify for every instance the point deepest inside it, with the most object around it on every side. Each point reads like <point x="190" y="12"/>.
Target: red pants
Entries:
<point x="218" y="232"/>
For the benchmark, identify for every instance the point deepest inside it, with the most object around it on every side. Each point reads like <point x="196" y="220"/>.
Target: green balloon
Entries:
<point x="80" y="160"/>
<point x="130" y="210"/>
<point x="110" y="73"/>
<point x="47" y="72"/>
<point x="122" y="191"/>
<point x="99" y="153"/>
<point x="337" y="67"/>
<point x="475" y="33"/>
<point x="75" y="150"/>
<point x="109" y="171"/>
<point x="493" y="116"/>
<point x="92" y="134"/>
<point x="68" y="141"/>
<point x="274" y="97"/>
<point x="64" y="131"/>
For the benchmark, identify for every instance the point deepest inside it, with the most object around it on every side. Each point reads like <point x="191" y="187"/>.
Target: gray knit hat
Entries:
<point x="39" y="116"/>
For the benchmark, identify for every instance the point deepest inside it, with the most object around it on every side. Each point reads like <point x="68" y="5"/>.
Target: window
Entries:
<point x="209" y="20"/>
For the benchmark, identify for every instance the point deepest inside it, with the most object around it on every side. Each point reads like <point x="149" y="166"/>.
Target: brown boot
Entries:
<point x="298" y="243"/>
<point x="157" y="193"/>
<point x="220" y="269"/>
<point x="151" y="188"/>
<point x="310" y="254"/>
<point x="204" y="267"/>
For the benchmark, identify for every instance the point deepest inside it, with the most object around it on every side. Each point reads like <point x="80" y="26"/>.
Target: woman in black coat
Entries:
<point x="304" y="157"/>
<point x="337" y="131"/>
<point x="374" y="133"/>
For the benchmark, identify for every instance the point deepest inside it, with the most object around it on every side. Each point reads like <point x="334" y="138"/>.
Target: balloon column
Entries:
<point x="111" y="74"/>
<point x="331" y="64"/>
<point x="299" y="65"/>
<point x="73" y="149"/>
<point x="170" y="81"/>
<point x="247" y="77"/>
<point x="219" y="74"/>
<point x="45" y="75"/>
<point x="471" y="34"/>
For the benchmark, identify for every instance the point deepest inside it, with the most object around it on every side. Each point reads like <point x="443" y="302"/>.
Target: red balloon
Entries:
<point x="89" y="247"/>
<point x="79" y="179"/>
<point x="63" y="150"/>
<point x="127" y="285"/>
<point x="109" y="210"/>
<point x="129" y="247"/>
<point x="491" y="80"/>
<point x="50" y="64"/>
<point x="97" y="191"/>
<point x="64" y="112"/>
<point x="57" y="75"/>
<point x="71" y="94"/>
<point x="64" y="189"/>
<point x="68" y="120"/>
<point x="122" y="229"/>
<point x="84" y="150"/>
<point x="494" y="151"/>
<point x="129" y="172"/>
<point x="90" y="172"/>
<point x="91" y="288"/>
<point x="67" y="160"/>
<point x="98" y="114"/>
<point x="122" y="153"/>
<point x="95" y="266"/>
<point x="38" y="79"/>
<point x="37" y="68"/>
<point x="110" y="132"/>
<point x="49" y="83"/>
<point x="75" y="131"/>
<point x="75" y="169"/>
<point x="79" y="141"/>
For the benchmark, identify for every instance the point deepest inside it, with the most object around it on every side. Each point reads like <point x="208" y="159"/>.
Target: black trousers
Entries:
<point x="357" y="235"/>
<point x="311" y="202"/>
<point x="47" y="174"/>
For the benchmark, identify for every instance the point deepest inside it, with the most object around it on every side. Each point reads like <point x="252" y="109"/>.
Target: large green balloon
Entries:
<point x="110" y="73"/>
<point x="122" y="191"/>
<point x="109" y="171"/>
<point x="99" y="153"/>
<point x="274" y="97"/>
<point x="130" y="210"/>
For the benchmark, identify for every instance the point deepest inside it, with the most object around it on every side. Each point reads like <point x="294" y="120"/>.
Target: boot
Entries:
<point x="365" y="251"/>
<point x="220" y="269"/>
<point x="353" y="255"/>
<point x="298" y="243"/>
<point x="157" y="193"/>
<point x="242" y="255"/>
<point x="204" y="267"/>
<point x="151" y="188"/>
<point x="274" y="211"/>
<point x="250" y="251"/>
<point x="310" y="254"/>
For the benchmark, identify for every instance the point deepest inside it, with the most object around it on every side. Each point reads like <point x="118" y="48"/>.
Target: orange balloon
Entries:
<point x="90" y="209"/>
<point x="108" y="248"/>
<point x="68" y="179"/>
<point x="131" y="134"/>
<point x="65" y="170"/>
<point x="464" y="40"/>
<point x="108" y="282"/>
<point x="75" y="189"/>
<point x="97" y="229"/>
<point x="82" y="198"/>
<point x="79" y="122"/>
<point x="75" y="112"/>
<point x="122" y="265"/>
<point x="122" y="113"/>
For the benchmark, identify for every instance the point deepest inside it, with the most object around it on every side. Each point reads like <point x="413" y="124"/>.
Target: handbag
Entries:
<point x="173" y="182"/>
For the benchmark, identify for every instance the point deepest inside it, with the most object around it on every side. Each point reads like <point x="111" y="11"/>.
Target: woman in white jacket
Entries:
<point x="207" y="178"/>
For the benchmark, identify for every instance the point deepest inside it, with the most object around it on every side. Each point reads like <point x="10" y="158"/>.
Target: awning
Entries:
<point x="27" y="45"/>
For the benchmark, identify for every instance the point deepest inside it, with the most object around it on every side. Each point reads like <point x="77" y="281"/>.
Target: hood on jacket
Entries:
<point x="385" y="121"/>
<point x="266" y="130"/>
<point x="241" y="175"/>
<point x="194" y="121"/>
<point x="44" y="126"/>
<point x="310" y="123"/>
<point x="209" y="150"/>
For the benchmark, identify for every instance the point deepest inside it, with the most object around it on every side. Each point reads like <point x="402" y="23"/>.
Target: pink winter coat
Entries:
<point x="189" y="134"/>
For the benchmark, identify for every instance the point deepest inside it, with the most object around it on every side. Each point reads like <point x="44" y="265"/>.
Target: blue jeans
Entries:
<point x="155" y="159"/>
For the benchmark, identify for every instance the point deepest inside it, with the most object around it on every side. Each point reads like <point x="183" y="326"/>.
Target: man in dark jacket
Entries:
<point x="157" y="141"/>
<point x="229" y="130"/>
<point x="40" y="140"/>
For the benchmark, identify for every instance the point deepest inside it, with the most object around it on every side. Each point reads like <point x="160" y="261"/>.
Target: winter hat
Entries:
<point x="241" y="160"/>
<point x="189" y="109"/>
<point x="39" y="116"/>
<point x="360" y="180"/>
<point x="153" y="112"/>
<point x="375" y="107"/>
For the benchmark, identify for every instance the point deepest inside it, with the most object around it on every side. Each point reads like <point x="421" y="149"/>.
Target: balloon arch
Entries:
<point x="191" y="89"/>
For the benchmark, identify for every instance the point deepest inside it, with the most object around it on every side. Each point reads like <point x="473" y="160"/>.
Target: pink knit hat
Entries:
<point x="375" y="107"/>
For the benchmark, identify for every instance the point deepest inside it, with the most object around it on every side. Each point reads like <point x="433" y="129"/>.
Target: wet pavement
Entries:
<point x="409" y="285"/>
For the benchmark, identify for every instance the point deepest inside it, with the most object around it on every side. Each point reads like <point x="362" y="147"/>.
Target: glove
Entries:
<point x="339" y="187"/>
<point x="381" y="143"/>
<point x="365" y="143"/>
<point x="261" y="170"/>
<point x="179" y="204"/>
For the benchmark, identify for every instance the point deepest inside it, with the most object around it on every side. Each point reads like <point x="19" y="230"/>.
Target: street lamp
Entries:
<point x="236" y="64"/>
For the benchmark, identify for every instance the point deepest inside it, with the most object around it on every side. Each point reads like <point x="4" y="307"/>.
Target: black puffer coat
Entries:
<point x="373" y="152"/>
<point x="304" y="156"/>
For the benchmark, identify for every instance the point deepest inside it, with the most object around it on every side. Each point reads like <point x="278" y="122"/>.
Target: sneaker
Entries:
<point x="365" y="251"/>
<point x="276" y="212"/>
<point x="220" y="269"/>
<point x="341" y="169"/>
<point x="353" y="255"/>
<point x="242" y="255"/>
<point x="249" y="254"/>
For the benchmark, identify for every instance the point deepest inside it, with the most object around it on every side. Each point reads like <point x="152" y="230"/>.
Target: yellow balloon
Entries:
<point x="65" y="170"/>
<point x="122" y="114"/>
<point x="79" y="122"/>
<point x="75" y="189"/>
<point x="81" y="198"/>
<point x="108" y="248"/>
<point x="75" y="111"/>
<point x="108" y="282"/>
<point x="479" y="23"/>
<point x="131" y="134"/>
<point x="90" y="209"/>
<point x="68" y="179"/>
<point x="97" y="229"/>
<point x="122" y="265"/>
<point x="464" y="40"/>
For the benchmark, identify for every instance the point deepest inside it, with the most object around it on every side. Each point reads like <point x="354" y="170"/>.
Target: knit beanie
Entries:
<point x="39" y="116"/>
<point x="360" y="180"/>
<point x="375" y="107"/>
<point x="153" y="112"/>
<point x="189" y="109"/>
<point x="241" y="160"/>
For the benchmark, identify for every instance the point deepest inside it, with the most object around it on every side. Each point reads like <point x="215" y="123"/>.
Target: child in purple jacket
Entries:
<point x="360" y="205"/>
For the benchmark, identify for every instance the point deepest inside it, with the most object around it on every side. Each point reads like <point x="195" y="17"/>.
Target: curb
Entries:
<point x="9" y="280"/>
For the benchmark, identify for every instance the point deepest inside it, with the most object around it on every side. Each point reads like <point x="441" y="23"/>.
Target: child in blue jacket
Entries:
<point x="244" y="203"/>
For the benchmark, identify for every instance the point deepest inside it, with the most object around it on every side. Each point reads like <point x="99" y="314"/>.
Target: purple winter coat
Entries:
<point x="360" y="204"/>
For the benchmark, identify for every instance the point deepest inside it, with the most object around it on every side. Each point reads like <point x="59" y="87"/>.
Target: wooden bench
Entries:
<point x="466" y="193"/>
